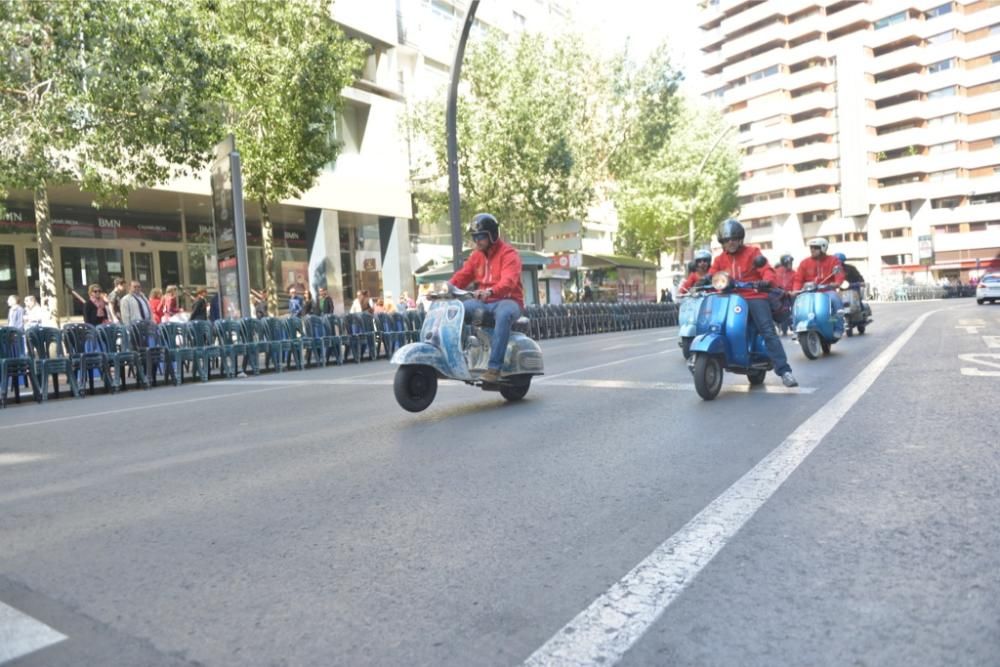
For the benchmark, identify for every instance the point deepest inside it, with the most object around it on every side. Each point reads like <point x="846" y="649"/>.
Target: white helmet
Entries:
<point x="820" y="243"/>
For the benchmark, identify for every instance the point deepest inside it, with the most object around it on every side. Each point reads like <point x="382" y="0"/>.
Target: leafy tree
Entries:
<point x="110" y="95"/>
<point x="533" y="132"/>
<point x="288" y="63"/>
<point x="689" y="175"/>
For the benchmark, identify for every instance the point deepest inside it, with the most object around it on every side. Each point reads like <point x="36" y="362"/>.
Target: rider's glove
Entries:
<point x="762" y="284"/>
<point x="704" y="282"/>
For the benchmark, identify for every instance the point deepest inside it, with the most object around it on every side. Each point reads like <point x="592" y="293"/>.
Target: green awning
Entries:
<point x="589" y="261"/>
<point x="529" y="260"/>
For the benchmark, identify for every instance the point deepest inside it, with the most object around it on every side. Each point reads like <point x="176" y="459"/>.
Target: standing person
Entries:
<point x="135" y="305"/>
<point x="294" y="302"/>
<point x="95" y="309"/>
<point x="199" y="307"/>
<point x="260" y="308"/>
<point x="35" y="314"/>
<point x="702" y="260"/>
<point x="495" y="267"/>
<point x="739" y="261"/>
<point x="307" y="303"/>
<point x="325" y="302"/>
<point x="114" y="299"/>
<point x="15" y="313"/>
<point x="156" y="303"/>
<point x="388" y="303"/>
<point x="170" y="305"/>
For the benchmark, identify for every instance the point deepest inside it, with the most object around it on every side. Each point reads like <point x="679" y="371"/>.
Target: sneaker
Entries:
<point x="789" y="380"/>
<point x="491" y="375"/>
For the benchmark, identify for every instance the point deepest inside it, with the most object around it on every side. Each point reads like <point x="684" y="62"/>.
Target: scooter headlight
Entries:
<point x="721" y="281"/>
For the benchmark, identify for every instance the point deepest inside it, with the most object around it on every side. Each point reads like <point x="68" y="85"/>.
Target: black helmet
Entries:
<point x="731" y="229"/>
<point x="787" y="261"/>
<point x="484" y="222"/>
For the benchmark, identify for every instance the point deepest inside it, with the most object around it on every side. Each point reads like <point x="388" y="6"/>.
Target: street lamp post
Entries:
<point x="451" y="130"/>
<point x="697" y="173"/>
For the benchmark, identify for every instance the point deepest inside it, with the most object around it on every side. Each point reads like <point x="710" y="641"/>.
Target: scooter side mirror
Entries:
<point x="759" y="261"/>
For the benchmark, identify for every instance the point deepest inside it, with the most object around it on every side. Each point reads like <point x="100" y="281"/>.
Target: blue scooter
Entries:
<point x="450" y="350"/>
<point x="690" y="318"/>
<point x="731" y="341"/>
<point x="818" y="317"/>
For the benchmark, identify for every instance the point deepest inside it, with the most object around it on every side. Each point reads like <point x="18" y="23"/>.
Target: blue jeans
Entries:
<point x="505" y="312"/>
<point x="760" y="312"/>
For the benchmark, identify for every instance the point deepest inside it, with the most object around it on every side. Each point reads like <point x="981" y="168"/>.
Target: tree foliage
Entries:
<point x="110" y="95"/>
<point x="534" y="130"/>
<point x="287" y="65"/>
<point x="689" y="174"/>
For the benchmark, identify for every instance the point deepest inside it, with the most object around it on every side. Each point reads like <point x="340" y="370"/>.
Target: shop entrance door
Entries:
<point x="170" y="269"/>
<point x="142" y="269"/>
<point x="86" y="266"/>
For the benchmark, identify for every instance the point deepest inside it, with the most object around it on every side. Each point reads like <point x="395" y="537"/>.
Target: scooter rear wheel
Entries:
<point x="756" y="377"/>
<point x="515" y="392"/>
<point x="415" y="387"/>
<point x="809" y="342"/>
<point x="707" y="376"/>
<point x="861" y="328"/>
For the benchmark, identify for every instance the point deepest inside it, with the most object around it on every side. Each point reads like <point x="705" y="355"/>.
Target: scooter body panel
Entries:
<point x="730" y="331"/>
<point x="689" y="315"/>
<point x="819" y="311"/>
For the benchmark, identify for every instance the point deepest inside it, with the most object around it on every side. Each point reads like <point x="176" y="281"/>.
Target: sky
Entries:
<point x="645" y="24"/>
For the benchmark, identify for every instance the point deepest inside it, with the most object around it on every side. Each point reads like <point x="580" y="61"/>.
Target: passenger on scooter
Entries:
<point x="854" y="277"/>
<point x="738" y="260"/>
<point x="495" y="267"/>
<point x="786" y="279"/>
<point x="702" y="260"/>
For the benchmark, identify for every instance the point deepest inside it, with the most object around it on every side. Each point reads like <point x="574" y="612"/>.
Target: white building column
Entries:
<point x="397" y="269"/>
<point x="324" y="256"/>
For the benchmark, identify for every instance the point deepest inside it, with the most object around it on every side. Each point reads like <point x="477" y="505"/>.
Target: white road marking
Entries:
<point x="970" y="328"/>
<point x="991" y="360"/>
<point x="547" y="378"/>
<point x="20" y="634"/>
<point x="13" y="458"/>
<point x="622" y="346"/>
<point x="614" y="622"/>
<point x="992" y="342"/>
<point x="151" y="406"/>
<point x="680" y="386"/>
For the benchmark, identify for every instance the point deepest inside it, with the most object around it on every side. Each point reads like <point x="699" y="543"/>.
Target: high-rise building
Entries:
<point x="873" y="123"/>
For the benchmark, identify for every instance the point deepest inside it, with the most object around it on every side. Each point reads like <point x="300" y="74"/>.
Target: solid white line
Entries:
<point x="118" y="411"/>
<point x="13" y="458"/>
<point x="614" y="622"/>
<point x="20" y="634"/>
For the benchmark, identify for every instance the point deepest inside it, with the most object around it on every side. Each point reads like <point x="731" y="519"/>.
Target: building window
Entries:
<point x="949" y="147"/>
<point x="949" y="119"/>
<point x="977" y="226"/>
<point x="946" y="175"/>
<point x="950" y="91"/>
<point x="761" y="74"/>
<point x="442" y="11"/>
<point x="947" y="229"/>
<point x="985" y="198"/>
<point x="890" y="20"/>
<point x="941" y="10"/>
<point x="995" y="58"/>
<point x="946" y="202"/>
<point x="940" y="66"/>
<point x="893" y="206"/>
<point x="897" y="233"/>
<point x="941" y="37"/>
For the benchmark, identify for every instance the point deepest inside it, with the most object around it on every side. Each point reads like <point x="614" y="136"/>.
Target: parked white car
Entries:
<point x="988" y="289"/>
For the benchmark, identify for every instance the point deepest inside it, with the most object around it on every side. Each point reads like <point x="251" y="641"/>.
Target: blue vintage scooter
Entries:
<point x="731" y="340"/>
<point x="690" y="318"/>
<point x="450" y="350"/>
<point x="818" y="317"/>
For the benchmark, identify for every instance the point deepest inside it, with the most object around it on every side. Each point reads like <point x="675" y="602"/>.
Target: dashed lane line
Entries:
<point x="602" y="633"/>
<point x="20" y="634"/>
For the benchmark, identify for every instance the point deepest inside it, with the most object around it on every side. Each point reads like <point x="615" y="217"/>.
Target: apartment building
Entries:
<point x="873" y="123"/>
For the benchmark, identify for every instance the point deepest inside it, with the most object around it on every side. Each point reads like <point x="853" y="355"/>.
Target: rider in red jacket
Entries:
<point x="702" y="260"/>
<point x="495" y="267"/>
<point x="818" y="268"/>
<point x="738" y="260"/>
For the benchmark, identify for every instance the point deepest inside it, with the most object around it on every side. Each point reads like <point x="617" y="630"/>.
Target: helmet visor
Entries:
<point x="480" y="236"/>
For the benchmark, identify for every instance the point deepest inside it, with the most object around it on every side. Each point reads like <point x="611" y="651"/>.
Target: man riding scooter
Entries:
<point x="819" y="268"/>
<point x="495" y="267"/>
<point x="738" y="260"/>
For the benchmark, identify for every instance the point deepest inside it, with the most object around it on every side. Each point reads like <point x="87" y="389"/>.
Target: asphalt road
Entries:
<point x="305" y="519"/>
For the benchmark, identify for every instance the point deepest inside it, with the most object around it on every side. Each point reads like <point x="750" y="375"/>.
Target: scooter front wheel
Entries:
<point x="707" y="376"/>
<point x="415" y="387"/>
<point x="809" y="342"/>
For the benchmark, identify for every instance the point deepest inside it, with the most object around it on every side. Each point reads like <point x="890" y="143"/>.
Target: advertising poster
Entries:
<point x="294" y="274"/>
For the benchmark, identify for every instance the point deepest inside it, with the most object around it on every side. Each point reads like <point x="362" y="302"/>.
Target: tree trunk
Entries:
<point x="267" y="234"/>
<point x="46" y="261"/>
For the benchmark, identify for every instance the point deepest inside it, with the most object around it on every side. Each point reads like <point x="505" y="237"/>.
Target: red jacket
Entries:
<point x="689" y="282"/>
<point x="786" y="278"/>
<point x="820" y="272"/>
<point x="498" y="269"/>
<point x="740" y="267"/>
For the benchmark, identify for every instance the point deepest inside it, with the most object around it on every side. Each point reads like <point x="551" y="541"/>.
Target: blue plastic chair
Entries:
<point x="86" y="350"/>
<point x="15" y="363"/>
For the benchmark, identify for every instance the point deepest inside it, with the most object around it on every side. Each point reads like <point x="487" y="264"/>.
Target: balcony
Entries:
<point x="823" y="202"/>
<point x="807" y="128"/>
<point x="960" y="214"/>
<point x="817" y="100"/>
<point x="762" y="209"/>
<point x="813" y="152"/>
<point x="988" y="238"/>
